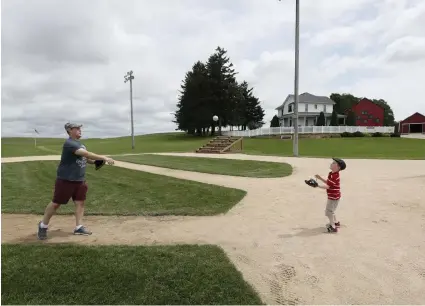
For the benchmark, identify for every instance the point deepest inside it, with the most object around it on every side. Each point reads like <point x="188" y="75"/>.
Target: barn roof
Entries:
<point x="415" y="114"/>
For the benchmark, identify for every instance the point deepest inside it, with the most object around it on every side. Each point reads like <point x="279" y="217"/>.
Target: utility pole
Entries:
<point x="130" y="77"/>
<point x="296" y="77"/>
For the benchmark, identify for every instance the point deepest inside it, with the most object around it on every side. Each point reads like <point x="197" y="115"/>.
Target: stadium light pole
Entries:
<point x="296" y="76"/>
<point x="130" y="77"/>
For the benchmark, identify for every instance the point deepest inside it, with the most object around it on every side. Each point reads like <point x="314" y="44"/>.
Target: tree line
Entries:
<point x="343" y="106"/>
<point x="211" y="89"/>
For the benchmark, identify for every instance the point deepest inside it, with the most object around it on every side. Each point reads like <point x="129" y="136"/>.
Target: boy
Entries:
<point x="332" y="186"/>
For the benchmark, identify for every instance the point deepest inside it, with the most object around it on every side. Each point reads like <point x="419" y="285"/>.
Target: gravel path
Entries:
<point x="276" y="237"/>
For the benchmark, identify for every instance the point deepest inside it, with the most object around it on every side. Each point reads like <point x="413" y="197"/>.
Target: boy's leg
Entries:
<point x="329" y="212"/>
<point x="61" y="196"/>
<point x="79" y="198"/>
<point x="331" y="206"/>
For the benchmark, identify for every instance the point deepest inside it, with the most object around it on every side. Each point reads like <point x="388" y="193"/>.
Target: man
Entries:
<point x="71" y="181"/>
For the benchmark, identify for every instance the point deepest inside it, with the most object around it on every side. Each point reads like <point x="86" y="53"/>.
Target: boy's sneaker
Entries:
<point x="42" y="232"/>
<point x="332" y="229"/>
<point x="337" y="224"/>
<point x="82" y="231"/>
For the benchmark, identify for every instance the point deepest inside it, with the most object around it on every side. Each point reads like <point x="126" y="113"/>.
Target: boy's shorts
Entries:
<point x="331" y="206"/>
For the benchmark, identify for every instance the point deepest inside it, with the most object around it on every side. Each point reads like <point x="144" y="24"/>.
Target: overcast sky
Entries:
<point x="65" y="60"/>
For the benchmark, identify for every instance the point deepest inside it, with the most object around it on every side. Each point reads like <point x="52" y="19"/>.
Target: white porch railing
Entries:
<point x="310" y="130"/>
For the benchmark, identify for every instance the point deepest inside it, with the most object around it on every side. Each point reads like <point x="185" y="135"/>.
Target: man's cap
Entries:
<point x="69" y="126"/>
<point x="340" y="163"/>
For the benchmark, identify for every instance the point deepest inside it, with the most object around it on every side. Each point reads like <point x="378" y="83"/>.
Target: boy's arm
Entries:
<point x="323" y="186"/>
<point x="322" y="179"/>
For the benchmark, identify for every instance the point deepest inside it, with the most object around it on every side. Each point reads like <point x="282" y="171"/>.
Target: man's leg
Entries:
<point x="49" y="212"/>
<point x="61" y="195"/>
<point x="79" y="199"/>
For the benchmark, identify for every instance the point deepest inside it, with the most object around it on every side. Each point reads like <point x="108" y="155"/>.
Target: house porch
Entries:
<point x="287" y="121"/>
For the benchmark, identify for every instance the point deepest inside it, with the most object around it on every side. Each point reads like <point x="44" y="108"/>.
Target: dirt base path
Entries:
<point x="276" y="237"/>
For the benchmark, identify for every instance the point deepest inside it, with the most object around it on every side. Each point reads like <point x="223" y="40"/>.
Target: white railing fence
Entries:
<point x="311" y="130"/>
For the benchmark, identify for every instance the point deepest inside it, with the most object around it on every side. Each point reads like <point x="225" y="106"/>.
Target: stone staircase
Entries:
<point x="221" y="144"/>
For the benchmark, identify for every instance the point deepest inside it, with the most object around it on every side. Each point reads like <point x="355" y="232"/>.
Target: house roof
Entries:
<point x="309" y="98"/>
<point x="420" y="115"/>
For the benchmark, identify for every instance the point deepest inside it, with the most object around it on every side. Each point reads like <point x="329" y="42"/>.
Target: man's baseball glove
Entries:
<point x="311" y="183"/>
<point x="98" y="164"/>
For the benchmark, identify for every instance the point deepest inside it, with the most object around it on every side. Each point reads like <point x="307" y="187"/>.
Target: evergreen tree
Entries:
<point x="334" y="118"/>
<point x="211" y="89"/>
<point x="193" y="113"/>
<point x="252" y="113"/>
<point x="223" y="86"/>
<point x="275" y="121"/>
<point x="351" y="119"/>
<point x="321" y="120"/>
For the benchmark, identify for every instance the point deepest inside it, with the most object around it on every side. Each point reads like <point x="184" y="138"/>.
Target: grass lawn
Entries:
<point x="28" y="187"/>
<point x="211" y="165"/>
<point x="365" y="147"/>
<point x="167" y="142"/>
<point x="111" y="275"/>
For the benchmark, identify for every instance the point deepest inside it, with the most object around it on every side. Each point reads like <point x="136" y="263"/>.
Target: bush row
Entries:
<point x="360" y="134"/>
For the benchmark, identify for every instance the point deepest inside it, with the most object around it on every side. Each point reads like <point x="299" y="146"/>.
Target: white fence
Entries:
<point x="310" y="130"/>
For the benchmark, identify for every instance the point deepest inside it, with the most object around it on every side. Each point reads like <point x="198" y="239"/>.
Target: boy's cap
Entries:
<point x="69" y="126"/>
<point x="340" y="163"/>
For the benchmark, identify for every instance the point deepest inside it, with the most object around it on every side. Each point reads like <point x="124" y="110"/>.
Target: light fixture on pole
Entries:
<point x="130" y="77"/>
<point x="216" y="118"/>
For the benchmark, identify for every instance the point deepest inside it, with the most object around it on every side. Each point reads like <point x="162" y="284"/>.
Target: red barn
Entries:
<point x="413" y="124"/>
<point x="368" y="113"/>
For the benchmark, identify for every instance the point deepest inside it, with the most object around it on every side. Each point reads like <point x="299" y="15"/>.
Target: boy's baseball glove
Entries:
<point x="98" y="164"/>
<point x="311" y="183"/>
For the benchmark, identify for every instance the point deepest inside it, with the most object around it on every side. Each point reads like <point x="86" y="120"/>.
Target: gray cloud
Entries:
<point x="65" y="60"/>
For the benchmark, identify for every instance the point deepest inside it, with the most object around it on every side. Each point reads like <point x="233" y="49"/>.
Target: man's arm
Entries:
<point x="93" y="156"/>
<point x="90" y="161"/>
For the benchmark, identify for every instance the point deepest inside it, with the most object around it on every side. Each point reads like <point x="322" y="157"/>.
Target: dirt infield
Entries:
<point x="276" y="234"/>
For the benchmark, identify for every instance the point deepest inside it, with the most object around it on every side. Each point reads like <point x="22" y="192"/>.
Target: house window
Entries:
<point x="377" y="120"/>
<point x="365" y="121"/>
<point x="306" y="107"/>
<point x="315" y="106"/>
<point x="290" y="108"/>
<point x="324" y="108"/>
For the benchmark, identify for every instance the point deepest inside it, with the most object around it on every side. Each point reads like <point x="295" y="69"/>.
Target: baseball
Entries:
<point x="215" y="118"/>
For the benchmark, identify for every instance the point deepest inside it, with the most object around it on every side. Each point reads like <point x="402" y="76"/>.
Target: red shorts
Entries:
<point x="65" y="190"/>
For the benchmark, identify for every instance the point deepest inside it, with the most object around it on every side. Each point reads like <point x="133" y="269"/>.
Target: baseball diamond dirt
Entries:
<point x="276" y="235"/>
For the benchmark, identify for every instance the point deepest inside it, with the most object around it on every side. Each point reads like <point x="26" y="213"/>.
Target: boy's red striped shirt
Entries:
<point x="334" y="191"/>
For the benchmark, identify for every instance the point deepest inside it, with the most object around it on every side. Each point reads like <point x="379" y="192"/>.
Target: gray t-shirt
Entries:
<point x="72" y="167"/>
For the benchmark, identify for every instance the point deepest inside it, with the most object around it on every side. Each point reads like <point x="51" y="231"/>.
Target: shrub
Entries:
<point x="377" y="134"/>
<point x="358" y="134"/>
<point x="336" y="136"/>
<point x="346" y="134"/>
<point x="395" y="135"/>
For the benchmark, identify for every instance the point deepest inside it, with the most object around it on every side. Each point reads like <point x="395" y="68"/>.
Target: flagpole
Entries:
<point x="35" y="138"/>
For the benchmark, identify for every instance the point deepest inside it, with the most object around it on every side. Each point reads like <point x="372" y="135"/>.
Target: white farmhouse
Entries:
<point x="309" y="108"/>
